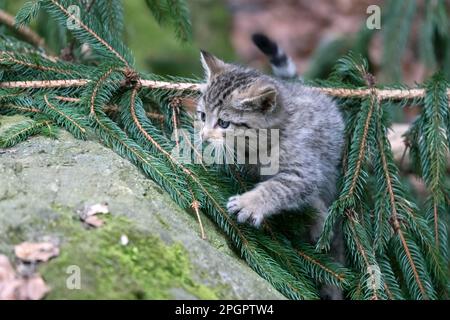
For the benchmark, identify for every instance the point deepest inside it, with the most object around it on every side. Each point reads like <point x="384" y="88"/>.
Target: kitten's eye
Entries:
<point x="223" y="124"/>
<point x="202" y="115"/>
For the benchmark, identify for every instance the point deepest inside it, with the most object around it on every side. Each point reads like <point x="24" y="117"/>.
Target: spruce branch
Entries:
<point x="434" y="147"/>
<point x="93" y="103"/>
<point x="391" y="283"/>
<point x="174" y="12"/>
<point x="87" y="32"/>
<point x="396" y="224"/>
<point x="63" y="117"/>
<point x="27" y="12"/>
<point x="23" y="130"/>
<point x="303" y="257"/>
<point x="318" y="267"/>
<point x="21" y="109"/>
<point x="364" y="255"/>
<point x="18" y="61"/>
<point x="362" y="147"/>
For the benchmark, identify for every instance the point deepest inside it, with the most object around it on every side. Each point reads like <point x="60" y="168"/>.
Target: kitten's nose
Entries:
<point x="207" y="134"/>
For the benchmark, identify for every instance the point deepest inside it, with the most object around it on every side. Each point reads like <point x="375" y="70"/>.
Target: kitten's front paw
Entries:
<point x="246" y="209"/>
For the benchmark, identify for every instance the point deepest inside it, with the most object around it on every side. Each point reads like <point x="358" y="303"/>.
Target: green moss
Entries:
<point x="146" y="268"/>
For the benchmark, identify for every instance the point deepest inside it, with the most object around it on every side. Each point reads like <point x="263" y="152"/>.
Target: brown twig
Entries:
<point x="382" y="94"/>
<point x="67" y="99"/>
<point x="362" y="146"/>
<point x="155" y="115"/>
<point x="176" y="103"/>
<point x="22" y="108"/>
<point x="196" y="206"/>
<point x="27" y="33"/>
<point x="38" y="84"/>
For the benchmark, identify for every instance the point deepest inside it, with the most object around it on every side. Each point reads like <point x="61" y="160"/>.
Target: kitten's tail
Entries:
<point x="282" y="64"/>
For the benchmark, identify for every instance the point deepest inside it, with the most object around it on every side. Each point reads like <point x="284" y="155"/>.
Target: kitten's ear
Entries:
<point x="263" y="96"/>
<point x="211" y="64"/>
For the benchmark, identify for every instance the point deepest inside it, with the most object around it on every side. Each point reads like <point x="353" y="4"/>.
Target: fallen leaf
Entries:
<point x="9" y="289"/>
<point x="101" y="208"/>
<point x="94" y="221"/>
<point x="36" y="252"/>
<point x="33" y="288"/>
<point x="15" y="287"/>
<point x="88" y="214"/>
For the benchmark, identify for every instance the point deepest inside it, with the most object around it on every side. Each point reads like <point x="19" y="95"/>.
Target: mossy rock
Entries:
<point x="43" y="182"/>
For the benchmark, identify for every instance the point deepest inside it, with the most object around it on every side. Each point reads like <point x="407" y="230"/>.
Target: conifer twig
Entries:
<point x="382" y="94"/>
<point x="196" y="206"/>
<point x="176" y="103"/>
<point x="62" y="114"/>
<point x="22" y="108"/>
<point x="67" y="99"/>
<point x="10" y="57"/>
<point x="38" y="84"/>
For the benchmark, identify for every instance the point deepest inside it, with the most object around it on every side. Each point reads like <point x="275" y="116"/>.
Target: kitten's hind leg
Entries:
<point x="317" y="227"/>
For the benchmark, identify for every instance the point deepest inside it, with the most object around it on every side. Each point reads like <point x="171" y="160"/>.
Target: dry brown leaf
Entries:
<point x="36" y="252"/>
<point x="33" y="288"/>
<point x="94" y="221"/>
<point x="9" y="289"/>
<point x="101" y="208"/>
<point x="88" y="214"/>
<point x="14" y="287"/>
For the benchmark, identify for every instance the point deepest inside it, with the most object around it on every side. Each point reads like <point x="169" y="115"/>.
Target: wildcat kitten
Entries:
<point x="311" y="137"/>
<point x="310" y="130"/>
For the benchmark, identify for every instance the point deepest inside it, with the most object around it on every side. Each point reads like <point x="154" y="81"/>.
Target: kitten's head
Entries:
<point x="233" y="98"/>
